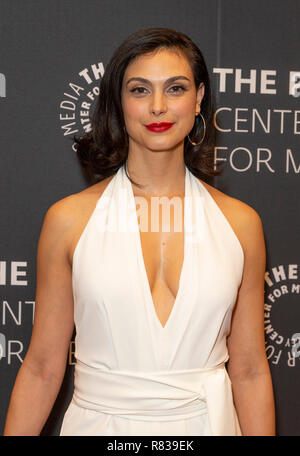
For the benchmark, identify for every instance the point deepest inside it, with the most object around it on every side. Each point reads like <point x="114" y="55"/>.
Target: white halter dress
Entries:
<point x="132" y="375"/>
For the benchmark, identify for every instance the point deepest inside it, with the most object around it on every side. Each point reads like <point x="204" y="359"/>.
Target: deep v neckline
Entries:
<point x="142" y="268"/>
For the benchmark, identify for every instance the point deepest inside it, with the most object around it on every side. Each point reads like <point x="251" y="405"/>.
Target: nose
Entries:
<point x="158" y="103"/>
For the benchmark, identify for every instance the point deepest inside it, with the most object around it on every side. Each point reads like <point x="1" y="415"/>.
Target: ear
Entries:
<point x="200" y="95"/>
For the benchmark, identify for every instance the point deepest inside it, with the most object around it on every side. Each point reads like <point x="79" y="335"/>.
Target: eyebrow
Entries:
<point x="146" y="81"/>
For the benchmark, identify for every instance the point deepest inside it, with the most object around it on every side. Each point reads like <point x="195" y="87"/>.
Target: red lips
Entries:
<point x="159" y="127"/>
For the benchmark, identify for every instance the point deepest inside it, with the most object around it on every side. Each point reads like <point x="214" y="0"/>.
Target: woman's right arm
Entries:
<point x="41" y="374"/>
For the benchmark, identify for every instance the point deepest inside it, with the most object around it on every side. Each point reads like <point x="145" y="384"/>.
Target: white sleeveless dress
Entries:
<point x="132" y="375"/>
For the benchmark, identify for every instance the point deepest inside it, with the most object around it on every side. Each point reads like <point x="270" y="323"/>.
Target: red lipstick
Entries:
<point x="159" y="127"/>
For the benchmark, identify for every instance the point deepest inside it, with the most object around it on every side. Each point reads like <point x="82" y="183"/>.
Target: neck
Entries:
<point x="157" y="177"/>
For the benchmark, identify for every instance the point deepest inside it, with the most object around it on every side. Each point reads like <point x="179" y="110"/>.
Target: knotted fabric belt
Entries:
<point x="159" y="396"/>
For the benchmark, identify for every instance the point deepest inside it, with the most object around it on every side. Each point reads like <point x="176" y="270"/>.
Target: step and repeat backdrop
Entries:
<point x="52" y="58"/>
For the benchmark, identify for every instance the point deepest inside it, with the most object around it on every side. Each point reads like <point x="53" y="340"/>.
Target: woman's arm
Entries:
<point x="248" y="367"/>
<point x="41" y="374"/>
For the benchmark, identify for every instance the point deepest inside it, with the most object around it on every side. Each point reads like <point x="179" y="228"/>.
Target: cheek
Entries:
<point x="132" y="109"/>
<point x="185" y="109"/>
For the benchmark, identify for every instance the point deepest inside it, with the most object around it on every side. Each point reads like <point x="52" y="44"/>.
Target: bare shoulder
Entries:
<point x="70" y="207"/>
<point x="69" y="215"/>
<point x="243" y="218"/>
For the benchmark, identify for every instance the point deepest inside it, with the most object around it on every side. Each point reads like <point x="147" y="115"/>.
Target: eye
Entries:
<point x="138" y="90"/>
<point x="182" y="89"/>
<point x="175" y="89"/>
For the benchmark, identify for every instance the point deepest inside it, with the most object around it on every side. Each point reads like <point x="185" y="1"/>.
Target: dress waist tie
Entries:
<point x="160" y="396"/>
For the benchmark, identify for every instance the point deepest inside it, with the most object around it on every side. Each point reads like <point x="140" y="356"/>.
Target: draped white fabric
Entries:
<point x="133" y="376"/>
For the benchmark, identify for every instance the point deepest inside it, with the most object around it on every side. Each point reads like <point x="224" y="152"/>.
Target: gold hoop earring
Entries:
<point x="204" y="131"/>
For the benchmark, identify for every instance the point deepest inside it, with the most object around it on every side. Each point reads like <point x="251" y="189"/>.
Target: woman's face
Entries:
<point x="159" y="100"/>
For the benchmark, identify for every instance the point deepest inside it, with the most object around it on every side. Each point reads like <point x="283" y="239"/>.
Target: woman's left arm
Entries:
<point x="248" y="367"/>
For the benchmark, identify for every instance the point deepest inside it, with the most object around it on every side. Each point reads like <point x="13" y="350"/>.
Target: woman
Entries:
<point x="158" y="312"/>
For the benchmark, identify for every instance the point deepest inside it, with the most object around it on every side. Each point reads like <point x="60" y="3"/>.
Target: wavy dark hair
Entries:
<point x="103" y="150"/>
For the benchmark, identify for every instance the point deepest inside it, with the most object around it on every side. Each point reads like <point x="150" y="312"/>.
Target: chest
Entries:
<point x="161" y="233"/>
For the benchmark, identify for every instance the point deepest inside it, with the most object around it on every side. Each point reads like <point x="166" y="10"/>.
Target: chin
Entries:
<point x="163" y="147"/>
